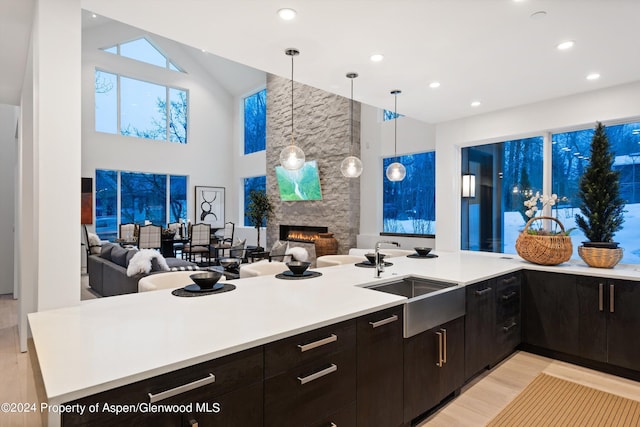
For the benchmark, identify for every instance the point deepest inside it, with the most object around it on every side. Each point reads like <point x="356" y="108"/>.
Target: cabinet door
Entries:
<point x="479" y="327"/>
<point x="592" y="295"/>
<point x="433" y="367"/>
<point x="624" y="324"/>
<point x="551" y="311"/>
<point x="380" y="351"/>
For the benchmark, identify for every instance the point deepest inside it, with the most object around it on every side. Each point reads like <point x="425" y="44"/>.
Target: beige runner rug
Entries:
<point x="551" y="401"/>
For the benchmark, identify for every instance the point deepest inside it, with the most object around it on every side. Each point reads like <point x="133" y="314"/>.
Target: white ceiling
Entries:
<point x="487" y="50"/>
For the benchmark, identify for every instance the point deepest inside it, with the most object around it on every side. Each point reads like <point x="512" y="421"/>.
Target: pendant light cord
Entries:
<point x="292" y="139"/>
<point x="351" y="146"/>
<point x="395" y="126"/>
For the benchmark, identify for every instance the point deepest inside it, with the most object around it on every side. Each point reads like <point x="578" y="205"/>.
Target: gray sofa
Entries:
<point x="108" y="270"/>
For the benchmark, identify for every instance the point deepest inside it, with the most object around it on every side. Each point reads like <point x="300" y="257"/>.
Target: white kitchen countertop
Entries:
<point x="109" y="342"/>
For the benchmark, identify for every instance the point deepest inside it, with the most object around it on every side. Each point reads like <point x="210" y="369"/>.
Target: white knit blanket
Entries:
<point x="141" y="262"/>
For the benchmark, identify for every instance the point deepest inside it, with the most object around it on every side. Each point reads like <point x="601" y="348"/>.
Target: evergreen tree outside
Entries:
<point x="602" y="207"/>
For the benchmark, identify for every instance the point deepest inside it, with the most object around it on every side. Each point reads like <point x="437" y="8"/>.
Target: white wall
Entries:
<point x="8" y="145"/>
<point x="611" y="105"/>
<point x="377" y="141"/>
<point x="208" y="156"/>
<point x="49" y="164"/>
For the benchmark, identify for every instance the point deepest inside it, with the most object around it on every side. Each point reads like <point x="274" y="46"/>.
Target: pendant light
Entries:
<point x="292" y="156"/>
<point x="396" y="170"/>
<point x="351" y="167"/>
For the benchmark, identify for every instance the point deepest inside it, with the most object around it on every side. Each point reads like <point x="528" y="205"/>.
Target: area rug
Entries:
<point x="551" y="401"/>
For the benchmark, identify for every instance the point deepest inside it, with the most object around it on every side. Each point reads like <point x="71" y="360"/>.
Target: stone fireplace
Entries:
<point x="323" y="130"/>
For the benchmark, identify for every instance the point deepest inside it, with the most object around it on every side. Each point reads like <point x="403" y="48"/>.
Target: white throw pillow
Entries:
<point x="299" y="254"/>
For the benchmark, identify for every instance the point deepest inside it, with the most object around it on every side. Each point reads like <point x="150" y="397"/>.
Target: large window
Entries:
<point x="140" y="197"/>
<point x="409" y="205"/>
<point x="143" y="50"/>
<point x="571" y="152"/>
<point x="255" y="122"/>
<point x="505" y="175"/>
<point x="141" y="109"/>
<point x="258" y="183"/>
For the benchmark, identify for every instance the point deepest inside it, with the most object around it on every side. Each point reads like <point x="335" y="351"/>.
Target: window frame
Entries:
<point x="243" y="120"/>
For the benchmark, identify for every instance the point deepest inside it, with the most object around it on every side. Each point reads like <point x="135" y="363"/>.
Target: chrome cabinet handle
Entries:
<point x="333" y="425"/>
<point x="509" y="296"/>
<point x="318" y="374"/>
<point x="306" y="347"/>
<point x="482" y="292"/>
<point x="612" y="306"/>
<point x="508" y="328"/>
<point x="444" y="345"/>
<point x="509" y="280"/>
<point x="439" y="362"/>
<point x="600" y="296"/>
<point x="384" y="321"/>
<point x="193" y="423"/>
<point x="181" y="389"/>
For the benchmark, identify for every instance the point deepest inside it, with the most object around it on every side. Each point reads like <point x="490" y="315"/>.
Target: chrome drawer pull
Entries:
<point x="384" y="321"/>
<point x="333" y="425"/>
<point x="193" y="423"/>
<point x="305" y="347"/>
<point x="509" y="280"/>
<point x="181" y="389"/>
<point x="318" y="374"/>
<point x="482" y="292"/>
<point x="509" y="296"/>
<point x="444" y="345"/>
<point x="439" y="363"/>
<point x="508" y="328"/>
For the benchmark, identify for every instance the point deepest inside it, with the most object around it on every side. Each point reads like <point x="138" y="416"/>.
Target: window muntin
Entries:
<point x="123" y="197"/>
<point x="255" y="122"/>
<point x="570" y="156"/>
<point x="144" y="51"/>
<point x="143" y="108"/>
<point x="409" y="205"/>
<point x="506" y="174"/>
<point x="258" y="183"/>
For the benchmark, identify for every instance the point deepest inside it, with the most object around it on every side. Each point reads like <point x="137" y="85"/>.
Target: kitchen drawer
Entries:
<point x="229" y="373"/>
<point x="345" y="417"/>
<point x="305" y="395"/>
<point x="301" y="349"/>
<point x="508" y="293"/>
<point x="508" y="337"/>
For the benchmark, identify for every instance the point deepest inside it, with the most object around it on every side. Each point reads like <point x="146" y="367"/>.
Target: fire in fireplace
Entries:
<point x="301" y="233"/>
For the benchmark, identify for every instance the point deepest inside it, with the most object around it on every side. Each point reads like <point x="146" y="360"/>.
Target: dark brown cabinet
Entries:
<point x="479" y="331"/>
<point x="433" y="367"/>
<point x="551" y="311"/>
<point x="227" y="391"/>
<point x="310" y="375"/>
<point x="380" y="371"/>
<point x="492" y="322"/>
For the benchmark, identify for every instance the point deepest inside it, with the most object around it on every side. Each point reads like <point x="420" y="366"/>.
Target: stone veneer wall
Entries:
<point x="322" y="129"/>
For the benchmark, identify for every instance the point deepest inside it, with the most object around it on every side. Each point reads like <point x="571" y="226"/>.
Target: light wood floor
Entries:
<point x="479" y="402"/>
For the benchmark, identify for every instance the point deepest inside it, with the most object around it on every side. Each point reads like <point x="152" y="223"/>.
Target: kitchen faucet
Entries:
<point x="380" y="262"/>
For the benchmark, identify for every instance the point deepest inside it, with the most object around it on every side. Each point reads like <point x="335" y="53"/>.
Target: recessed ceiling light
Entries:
<point x="434" y="85"/>
<point x="377" y="57"/>
<point x="94" y="16"/>
<point x="287" y="14"/>
<point x="475" y="104"/>
<point x="203" y="50"/>
<point x="566" y="45"/>
<point x="593" y="76"/>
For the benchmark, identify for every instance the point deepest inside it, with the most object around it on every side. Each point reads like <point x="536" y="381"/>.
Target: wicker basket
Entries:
<point x="600" y="257"/>
<point x="544" y="250"/>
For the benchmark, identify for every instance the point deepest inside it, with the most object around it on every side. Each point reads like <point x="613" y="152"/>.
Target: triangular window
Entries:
<point x="143" y="50"/>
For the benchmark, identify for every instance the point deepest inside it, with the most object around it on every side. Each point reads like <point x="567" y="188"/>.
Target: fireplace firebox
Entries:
<point x="301" y="233"/>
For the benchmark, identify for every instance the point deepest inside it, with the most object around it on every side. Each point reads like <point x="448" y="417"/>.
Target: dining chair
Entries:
<point x="177" y="228"/>
<point x="227" y="239"/>
<point x="128" y="231"/>
<point x="150" y="237"/>
<point x="199" y="242"/>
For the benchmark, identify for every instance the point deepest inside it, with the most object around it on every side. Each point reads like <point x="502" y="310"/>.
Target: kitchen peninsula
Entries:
<point x="108" y="343"/>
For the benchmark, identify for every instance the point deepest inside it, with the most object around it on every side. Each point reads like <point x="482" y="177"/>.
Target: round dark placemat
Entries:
<point x="182" y="293"/>
<point x="422" y="257"/>
<point x="367" y="264"/>
<point x="291" y="276"/>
